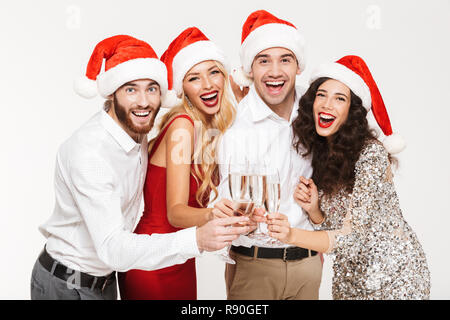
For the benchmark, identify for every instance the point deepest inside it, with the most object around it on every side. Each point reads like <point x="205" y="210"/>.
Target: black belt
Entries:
<point x="286" y="254"/>
<point x="81" y="279"/>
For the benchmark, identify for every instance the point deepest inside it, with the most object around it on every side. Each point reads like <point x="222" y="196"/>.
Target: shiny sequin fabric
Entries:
<point x="376" y="255"/>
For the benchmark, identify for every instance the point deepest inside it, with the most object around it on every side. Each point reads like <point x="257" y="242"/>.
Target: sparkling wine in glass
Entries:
<point x="258" y="185"/>
<point x="243" y="208"/>
<point x="240" y="190"/>
<point x="238" y="182"/>
<point x="272" y="198"/>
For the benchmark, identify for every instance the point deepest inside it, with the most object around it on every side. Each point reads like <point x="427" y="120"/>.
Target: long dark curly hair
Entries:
<point x="334" y="159"/>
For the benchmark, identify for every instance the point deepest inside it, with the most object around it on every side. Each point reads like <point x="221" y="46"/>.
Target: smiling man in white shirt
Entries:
<point x="271" y="56"/>
<point x="99" y="177"/>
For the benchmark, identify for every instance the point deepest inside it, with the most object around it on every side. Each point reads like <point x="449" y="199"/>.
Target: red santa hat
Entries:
<point x="354" y="73"/>
<point x="188" y="49"/>
<point x="261" y="31"/>
<point x="126" y="59"/>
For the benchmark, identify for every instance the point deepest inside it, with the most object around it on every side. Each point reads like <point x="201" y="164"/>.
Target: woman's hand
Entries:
<point x="279" y="227"/>
<point x="307" y="196"/>
<point x="222" y="209"/>
<point x="258" y="215"/>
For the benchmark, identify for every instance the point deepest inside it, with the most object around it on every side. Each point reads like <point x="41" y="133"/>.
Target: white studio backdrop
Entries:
<point x="47" y="44"/>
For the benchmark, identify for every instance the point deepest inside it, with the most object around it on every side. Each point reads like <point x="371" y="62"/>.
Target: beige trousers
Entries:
<point x="273" y="279"/>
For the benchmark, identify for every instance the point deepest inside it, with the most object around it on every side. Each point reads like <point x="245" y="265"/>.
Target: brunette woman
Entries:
<point x="351" y="198"/>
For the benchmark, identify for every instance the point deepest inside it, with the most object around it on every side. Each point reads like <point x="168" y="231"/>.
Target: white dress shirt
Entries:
<point x="99" y="178"/>
<point x="261" y="136"/>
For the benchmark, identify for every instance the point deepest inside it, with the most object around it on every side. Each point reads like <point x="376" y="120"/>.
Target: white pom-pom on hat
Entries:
<point x="394" y="143"/>
<point x="85" y="87"/>
<point x="241" y="78"/>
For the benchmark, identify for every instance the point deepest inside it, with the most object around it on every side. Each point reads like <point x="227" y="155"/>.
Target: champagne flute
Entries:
<point x="239" y="183"/>
<point x="258" y="184"/>
<point x="272" y="199"/>
<point x="239" y="186"/>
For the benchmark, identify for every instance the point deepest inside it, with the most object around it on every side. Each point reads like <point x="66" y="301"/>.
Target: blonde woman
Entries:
<point x="181" y="171"/>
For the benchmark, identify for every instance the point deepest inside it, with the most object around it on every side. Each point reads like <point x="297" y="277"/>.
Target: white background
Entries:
<point x="46" y="44"/>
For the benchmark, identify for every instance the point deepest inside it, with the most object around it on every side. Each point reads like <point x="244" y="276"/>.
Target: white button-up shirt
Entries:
<point x="261" y="136"/>
<point x="99" y="178"/>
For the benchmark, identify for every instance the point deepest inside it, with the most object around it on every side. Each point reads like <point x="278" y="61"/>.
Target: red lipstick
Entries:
<point x="325" y="120"/>
<point x="210" y="99"/>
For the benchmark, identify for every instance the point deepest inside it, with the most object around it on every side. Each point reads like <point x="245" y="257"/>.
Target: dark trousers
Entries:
<point x="46" y="286"/>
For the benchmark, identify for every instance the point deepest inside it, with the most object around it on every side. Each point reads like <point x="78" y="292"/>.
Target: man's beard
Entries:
<point x="125" y="118"/>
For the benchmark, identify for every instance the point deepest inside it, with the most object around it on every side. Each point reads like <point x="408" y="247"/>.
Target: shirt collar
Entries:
<point x="260" y="110"/>
<point x="121" y="137"/>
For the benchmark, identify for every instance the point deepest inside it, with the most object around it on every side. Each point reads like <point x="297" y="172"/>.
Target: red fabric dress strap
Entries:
<point x="161" y="135"/>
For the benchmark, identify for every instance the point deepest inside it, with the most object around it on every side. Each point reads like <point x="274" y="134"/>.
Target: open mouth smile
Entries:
<point x="274" y="87"/>
<point x="210" y="99"/>
<point x="326" y="119"/>
<point x="141" y="113"/>
<point x="141" y="116"/>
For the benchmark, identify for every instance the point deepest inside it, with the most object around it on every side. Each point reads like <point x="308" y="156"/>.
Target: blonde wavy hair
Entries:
<point x="205" y="146"/>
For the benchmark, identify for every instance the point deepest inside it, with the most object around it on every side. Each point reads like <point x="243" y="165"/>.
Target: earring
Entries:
<point x="189" y="103"/>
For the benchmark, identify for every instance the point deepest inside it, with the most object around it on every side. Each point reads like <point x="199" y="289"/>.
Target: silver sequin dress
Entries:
<point x="376" y="253"/>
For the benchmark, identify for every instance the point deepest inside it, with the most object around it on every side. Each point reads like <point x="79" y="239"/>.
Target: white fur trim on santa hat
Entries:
<point x="241" y="78"/>
<point x="343" y="74"/>
<point x="171" y="100"/>
<point x="141" y="68"/>
<point x="394" y="143"/>
<point x="191" y="55"/>
<point x="272" y="35"/>
<point x="85" y="87"/>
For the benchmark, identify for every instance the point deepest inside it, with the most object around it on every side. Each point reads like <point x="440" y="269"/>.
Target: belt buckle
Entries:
<point x="285" y="254"/>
